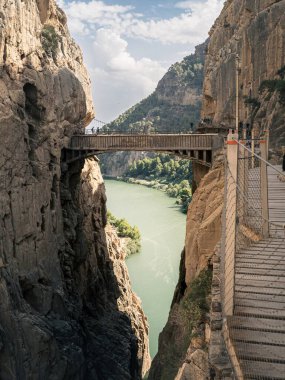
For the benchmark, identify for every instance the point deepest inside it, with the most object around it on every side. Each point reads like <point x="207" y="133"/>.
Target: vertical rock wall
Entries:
<point x="64" y="290"/>
<point x="255" y="30"/>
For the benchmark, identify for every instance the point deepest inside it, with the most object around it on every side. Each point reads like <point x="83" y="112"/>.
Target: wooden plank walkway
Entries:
<point x="257" y="328"/>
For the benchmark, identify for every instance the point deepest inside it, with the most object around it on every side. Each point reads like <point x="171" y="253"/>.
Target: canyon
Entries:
<point x="67" y="308"/>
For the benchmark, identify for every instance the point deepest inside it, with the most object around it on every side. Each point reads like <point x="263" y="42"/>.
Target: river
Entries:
<point x="154" y="271"/>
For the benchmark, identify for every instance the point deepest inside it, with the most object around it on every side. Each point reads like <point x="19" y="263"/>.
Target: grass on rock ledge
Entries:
<point x="130" y="234"/>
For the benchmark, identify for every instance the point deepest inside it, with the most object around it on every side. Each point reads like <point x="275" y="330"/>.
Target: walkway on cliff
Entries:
<point x="254" y="263"/>
<point x="197" y="147"/>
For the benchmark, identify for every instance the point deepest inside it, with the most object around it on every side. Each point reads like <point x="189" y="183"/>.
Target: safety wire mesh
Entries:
<point x="253" y="267"/>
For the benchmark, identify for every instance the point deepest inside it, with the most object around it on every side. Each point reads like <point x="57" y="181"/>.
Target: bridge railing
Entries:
<point x="146" y="142"/>
<point x="246" y="217"/>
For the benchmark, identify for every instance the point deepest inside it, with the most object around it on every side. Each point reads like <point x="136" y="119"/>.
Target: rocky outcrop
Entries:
<point x="254" y="30"/>
<point x="182" y="84"/>
<point x="65" y="311"/>
<point x="187" y="329"/>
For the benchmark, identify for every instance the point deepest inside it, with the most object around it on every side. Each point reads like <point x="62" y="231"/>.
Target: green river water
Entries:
<point x="154" y="271"/>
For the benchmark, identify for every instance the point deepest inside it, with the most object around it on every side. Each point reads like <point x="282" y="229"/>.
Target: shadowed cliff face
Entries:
<point x="64" y="289"/>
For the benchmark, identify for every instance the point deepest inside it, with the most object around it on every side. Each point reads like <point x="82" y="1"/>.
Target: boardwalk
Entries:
<point x="257" y="327"/>
<point x="198" y="147"/>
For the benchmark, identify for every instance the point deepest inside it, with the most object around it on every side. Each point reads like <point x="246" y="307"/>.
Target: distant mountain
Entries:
<point x="175" y="105"/>
<point x="176" y="102"/>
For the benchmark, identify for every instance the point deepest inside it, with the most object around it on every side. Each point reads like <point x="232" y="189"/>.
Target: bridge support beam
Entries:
<point x="230" y="225"/>
<point x="264" y="189"/>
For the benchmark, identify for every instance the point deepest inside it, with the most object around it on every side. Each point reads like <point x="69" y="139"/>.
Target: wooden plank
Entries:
<point x="269" y="271"/>
<point x="260" y="260"/>
<point x="263" y="370"/>
<point x="258" y="324"/>
<point x="254" y="336"/>
<point x="263" y="297"/>
<point x="278" y="250"/>
<point x="259" y="289"/>
<point x="256" y="312"/>
<point x="260" y="304"/>
<point x="260" y="352"/>
<point x="260" y="266"/>
<point x="260" y="278"/>
<point x="259" y="254"/>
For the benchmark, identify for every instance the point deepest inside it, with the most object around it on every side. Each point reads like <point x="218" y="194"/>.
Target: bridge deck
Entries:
<point x="147" y="142"/>
<point x="257" y="328"/>
<point x="198" y="147"/>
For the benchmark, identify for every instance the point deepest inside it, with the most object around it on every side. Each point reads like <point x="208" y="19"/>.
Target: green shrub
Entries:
<point x="269" y="85"/>
<point x="176" y="174"/>
<point x="280" y="87"/>
<point x="274" y="85"/>
<point x="50" y="40"/>
<point x="281" y="72"/>
<point x="253" y="102"/>
<point x="125" y="230"/>
<point x="196" y="300"/>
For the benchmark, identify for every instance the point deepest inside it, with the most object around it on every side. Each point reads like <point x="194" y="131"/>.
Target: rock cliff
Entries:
<point x="67" y="310"/>
<point x="255" y="30"/>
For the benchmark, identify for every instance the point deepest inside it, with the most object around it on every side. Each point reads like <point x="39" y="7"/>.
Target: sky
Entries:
<point x="128" y="45"/>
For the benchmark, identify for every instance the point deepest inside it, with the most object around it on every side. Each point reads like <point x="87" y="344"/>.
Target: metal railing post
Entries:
<point x="243" y="176"/>
<point x="231" y="215"/>
<point x="252" y="147"/>
<point x="264" y="189"/>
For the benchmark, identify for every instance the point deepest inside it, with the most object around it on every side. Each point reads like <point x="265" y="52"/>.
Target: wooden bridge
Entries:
<point x="198" y="147"/>
<point x="253" y="263"/>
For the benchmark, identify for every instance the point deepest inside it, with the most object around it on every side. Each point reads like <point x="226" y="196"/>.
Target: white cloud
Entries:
<point x="120" y="79"/>
<point x="114" y="57"/>
<point x="187" y="28"/>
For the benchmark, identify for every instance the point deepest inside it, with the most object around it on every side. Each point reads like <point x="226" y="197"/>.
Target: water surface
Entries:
<point x="154" y="271"/>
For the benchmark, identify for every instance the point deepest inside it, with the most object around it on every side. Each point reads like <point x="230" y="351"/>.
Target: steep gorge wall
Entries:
<point x="186" y="333"/>
<point x="67" y="310"/>
<point x="255" y="30"/>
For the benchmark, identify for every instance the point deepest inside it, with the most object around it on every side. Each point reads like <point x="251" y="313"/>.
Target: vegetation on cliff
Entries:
<point x="175" y="104"/>
<point x="196" y="301"/>
<point x="50" y="40"/>
<point x="124" y="230"/>
<point x="165" y="173"/>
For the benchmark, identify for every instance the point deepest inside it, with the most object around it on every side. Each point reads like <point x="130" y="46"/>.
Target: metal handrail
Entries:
<point x="260" y="158"/>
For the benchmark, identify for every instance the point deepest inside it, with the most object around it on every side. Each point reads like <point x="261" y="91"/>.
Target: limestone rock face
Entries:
<point x="195" y="367"/>
<point x="64" y="313"/>
<point x="181" y="85"/>
<point x="203" y="227"/>
<point x="255" y="30"/>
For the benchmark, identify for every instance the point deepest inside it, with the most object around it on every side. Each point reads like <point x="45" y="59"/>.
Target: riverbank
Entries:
<point x="179" y="191"/>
